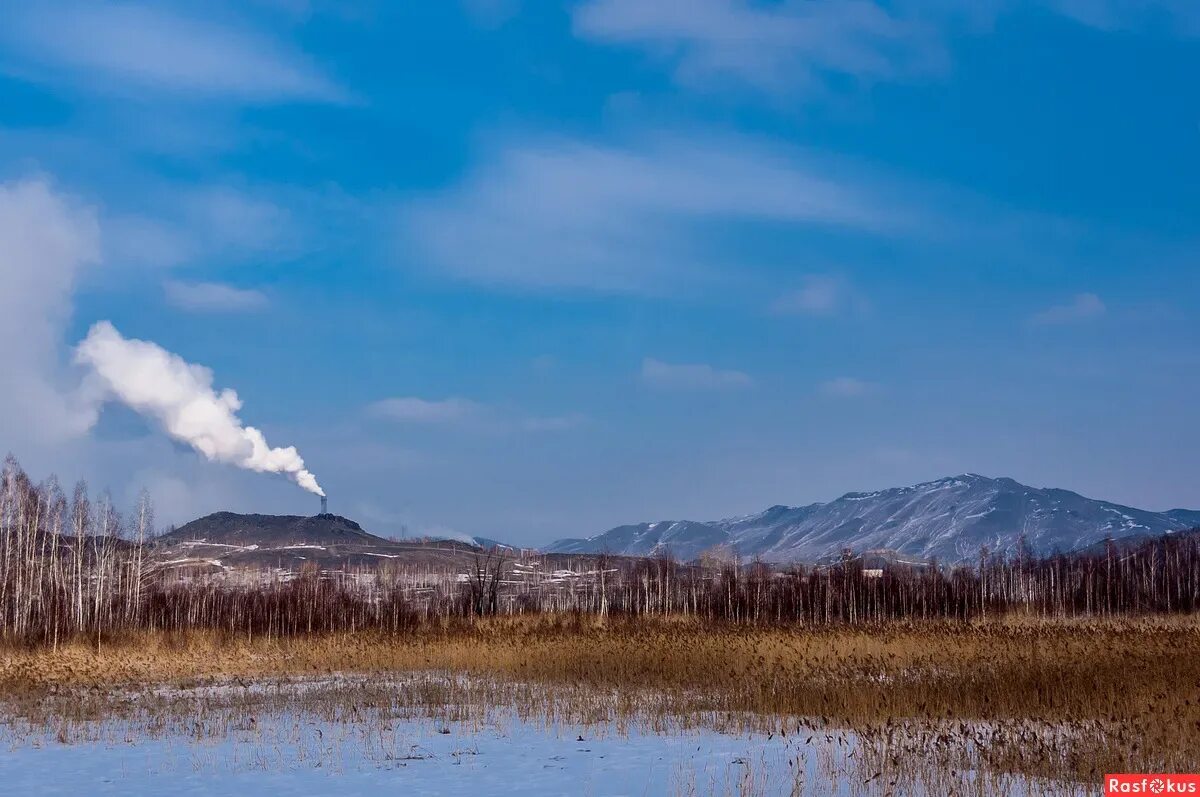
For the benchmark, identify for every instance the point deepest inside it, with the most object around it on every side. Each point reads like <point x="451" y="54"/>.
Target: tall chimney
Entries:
<point x="324" y="505"/>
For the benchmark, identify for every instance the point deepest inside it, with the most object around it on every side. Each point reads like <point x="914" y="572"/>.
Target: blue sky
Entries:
<point x="531" y="270"/>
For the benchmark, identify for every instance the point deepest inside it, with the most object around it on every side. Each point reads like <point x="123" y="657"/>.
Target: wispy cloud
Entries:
<point x="177" y="225"/>
<point x="1179" y="16"/>
<point x="1083" y="307"/>
<point x="466" y="412"/>
<point x="847" y="387"/>
<point x="213" y="297"/>
<point x="411" y="409"/>
<point x="239" y="219"/>
<point x="820" y="295"/>
<point x="553" y="423"/>
<point x="693" y="376"/>
<point x="796" y="46"/>
<point x="128" y="47"/>
<point x="137" y="240"/>
<point x="576" y="215"/>
<point x="492" y="13"/>
<point x="777" y="47"/>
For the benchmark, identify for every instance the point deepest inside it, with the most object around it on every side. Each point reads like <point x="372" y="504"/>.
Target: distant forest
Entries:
<point x="74" y="567"/>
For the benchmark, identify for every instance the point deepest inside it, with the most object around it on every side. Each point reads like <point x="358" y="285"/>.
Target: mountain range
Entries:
<point x="951" y="519"/>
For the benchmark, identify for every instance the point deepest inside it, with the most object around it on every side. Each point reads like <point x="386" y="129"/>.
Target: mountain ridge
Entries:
<point x="951" y="519"/>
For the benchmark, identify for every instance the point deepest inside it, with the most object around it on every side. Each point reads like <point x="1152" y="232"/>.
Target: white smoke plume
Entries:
<point x="154" y="382"/>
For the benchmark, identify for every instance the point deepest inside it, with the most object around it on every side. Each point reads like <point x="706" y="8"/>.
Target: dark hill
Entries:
<point x="225" y="544"/>
<point x="230" y="528"/>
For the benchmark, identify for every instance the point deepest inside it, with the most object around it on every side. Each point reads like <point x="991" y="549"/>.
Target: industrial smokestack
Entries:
<point x="324" y="505"/>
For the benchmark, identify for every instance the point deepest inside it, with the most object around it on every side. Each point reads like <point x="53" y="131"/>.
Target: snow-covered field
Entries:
<point x="411" y="757"/>
<point x="441" y="734"/>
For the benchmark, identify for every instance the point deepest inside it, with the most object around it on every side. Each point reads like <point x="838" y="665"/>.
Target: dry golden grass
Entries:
<point x="1060" y="699"/>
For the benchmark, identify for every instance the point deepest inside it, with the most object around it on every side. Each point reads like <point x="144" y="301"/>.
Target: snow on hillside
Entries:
<point x="951" y="519"/>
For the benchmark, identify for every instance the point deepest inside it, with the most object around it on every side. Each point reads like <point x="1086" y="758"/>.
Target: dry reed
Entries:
<point x="1060" y="699"/>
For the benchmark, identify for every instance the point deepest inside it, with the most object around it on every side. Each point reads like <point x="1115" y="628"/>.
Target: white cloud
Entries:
<point x="775" y="47"/>
<point x="697" y="376"/>
<point x="127" y="47"/>
<point x="569" y="214"/>
<point x="1083" y="307"/>
<point x="47" y="242"/>
<point x="418" y="410"/>
<point x="213" y="297"/>
<point x="847" y="387"/>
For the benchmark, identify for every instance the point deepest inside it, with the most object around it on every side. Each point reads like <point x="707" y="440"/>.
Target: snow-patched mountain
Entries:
<point x="951" y="519"/>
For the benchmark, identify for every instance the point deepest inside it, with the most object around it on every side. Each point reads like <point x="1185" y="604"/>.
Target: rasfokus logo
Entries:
<point x="1151" y="784"/>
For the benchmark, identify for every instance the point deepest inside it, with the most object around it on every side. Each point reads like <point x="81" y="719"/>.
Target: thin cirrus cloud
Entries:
<point x="778" y="47"/>
<point x="213" y="297"/>
<point x="820" y="295"/>
<point x="456" y="411"/>
<point x="128" y="47"/>
<point x="240" y="220"/>
<point x="794" y="46"/>
<point x="569" y="214"/>
<point x="492" y="13"/>
<point x="1181" y="17"/>
<point x="692" y="376"/>
<point x="1082" y="307"/>
<point x="201" y="224"/>
<point x="847" y="387"/>
<point x="552" y="423"/>
<point x="411" y="409"/>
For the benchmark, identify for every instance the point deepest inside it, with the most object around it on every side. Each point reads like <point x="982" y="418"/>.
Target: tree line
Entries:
<point x="74" y="567"/>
